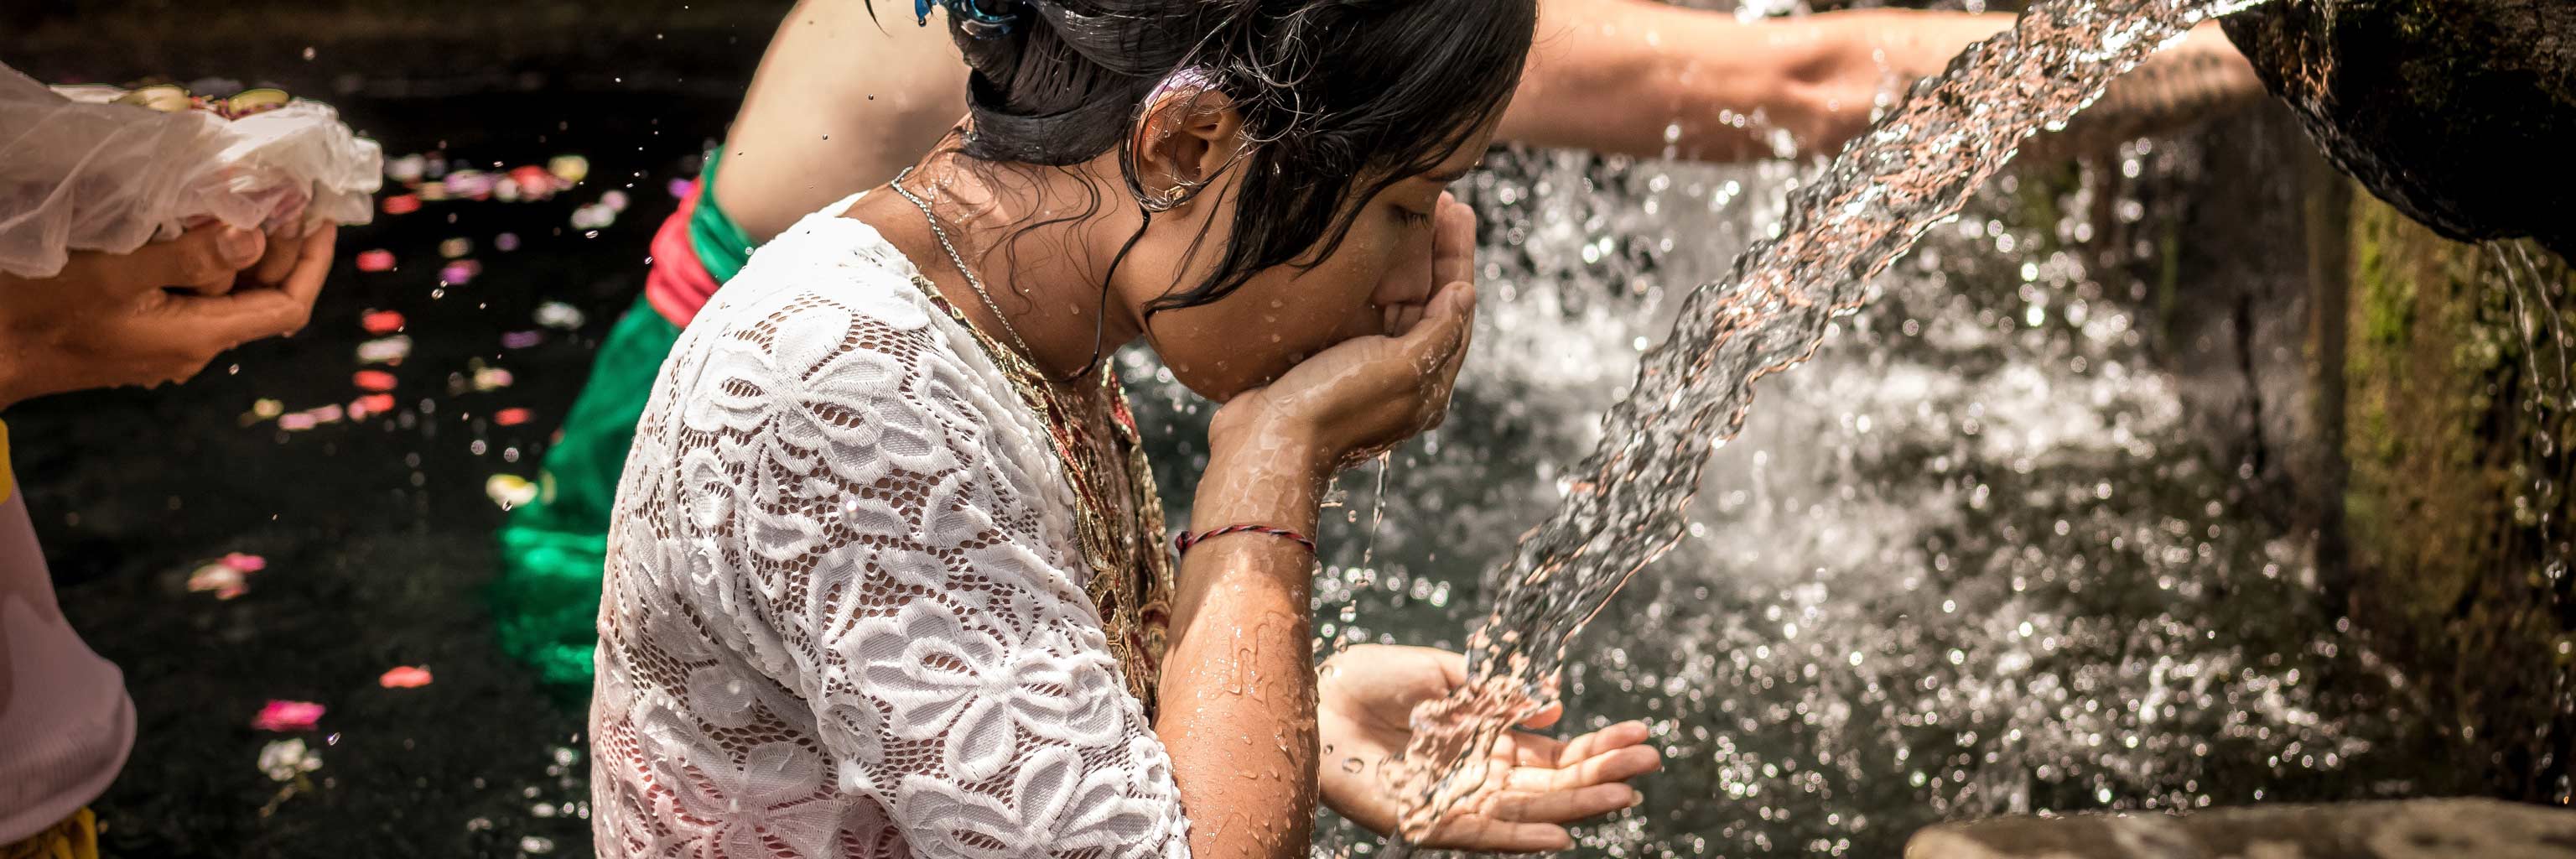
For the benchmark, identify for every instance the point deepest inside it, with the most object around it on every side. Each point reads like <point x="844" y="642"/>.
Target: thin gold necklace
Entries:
<point x="1131" y="582"/>
<point x="960" y="261"/>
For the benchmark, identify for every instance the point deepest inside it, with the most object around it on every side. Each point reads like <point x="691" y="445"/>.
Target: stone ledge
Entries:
<point x="2409" y="829"/>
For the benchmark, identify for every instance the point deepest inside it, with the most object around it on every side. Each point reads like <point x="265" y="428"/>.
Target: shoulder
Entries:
<point x="825" y="344"/>
<point x="836" y="265"/>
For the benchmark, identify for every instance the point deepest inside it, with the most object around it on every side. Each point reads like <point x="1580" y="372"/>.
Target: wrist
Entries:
<point x="1266" y="475"/>
<point x="1247" y="435"/>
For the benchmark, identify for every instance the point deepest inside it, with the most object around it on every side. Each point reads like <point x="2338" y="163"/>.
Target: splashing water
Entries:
<point x="1624" y="506"/>
<point x="2552" y="394"/>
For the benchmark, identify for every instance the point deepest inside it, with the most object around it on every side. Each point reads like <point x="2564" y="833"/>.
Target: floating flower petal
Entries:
<point x="460" y="272"/>
<point x="404" y="677"/>
<point x="285" y="759"/>
<point x="556" y="314"/>
<point x="406" y="169"/>
<point x="509" y="490"/>
<point x="288" y="716"/>
<point x="389" y="350"/>
<point x="570" y="168"/>
<point x="224" y="581"/>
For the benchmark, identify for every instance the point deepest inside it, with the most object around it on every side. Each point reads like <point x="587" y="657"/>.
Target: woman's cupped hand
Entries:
<point x="1365" y="395"/>
<point x="159" y="313"/>
<point x="1530" y="785"/>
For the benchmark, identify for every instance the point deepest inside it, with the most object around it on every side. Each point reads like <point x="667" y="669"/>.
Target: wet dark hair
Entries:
<point x="1333" y="93"/>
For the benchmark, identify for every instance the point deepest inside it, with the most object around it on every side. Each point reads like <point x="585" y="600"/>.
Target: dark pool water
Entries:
<point x="376" y="532"/>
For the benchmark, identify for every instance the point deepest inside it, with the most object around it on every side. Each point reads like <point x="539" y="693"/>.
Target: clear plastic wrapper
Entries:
<point x="78" y="172"/>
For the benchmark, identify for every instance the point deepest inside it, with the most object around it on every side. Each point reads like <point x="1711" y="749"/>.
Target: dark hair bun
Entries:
<point x="1058" y="86"/>
<point x="1339" y="98"/>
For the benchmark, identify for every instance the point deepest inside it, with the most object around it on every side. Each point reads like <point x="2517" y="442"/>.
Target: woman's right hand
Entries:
<point x="1367" y="394"/>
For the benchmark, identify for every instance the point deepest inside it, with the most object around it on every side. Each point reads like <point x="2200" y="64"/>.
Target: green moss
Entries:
<point x="2440" y="452"/>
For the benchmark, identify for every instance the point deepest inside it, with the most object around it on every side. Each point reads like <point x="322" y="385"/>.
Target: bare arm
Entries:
<point x="1646" y="79"/>
<point x="841" y="102"/>
<point x="1238" y="686"/>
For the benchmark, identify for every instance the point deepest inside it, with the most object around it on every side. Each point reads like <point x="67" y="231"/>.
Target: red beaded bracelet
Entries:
<point x="1184" y="540"/>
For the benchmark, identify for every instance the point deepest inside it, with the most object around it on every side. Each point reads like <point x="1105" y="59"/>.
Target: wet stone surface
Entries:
<point x="2457" y="112"/>
<point x="2416" y="829"/>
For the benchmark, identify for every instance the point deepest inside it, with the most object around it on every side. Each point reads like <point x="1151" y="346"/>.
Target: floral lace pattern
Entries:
<point x="845" y="612"/>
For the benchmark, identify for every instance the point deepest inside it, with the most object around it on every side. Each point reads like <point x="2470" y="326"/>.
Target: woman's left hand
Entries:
<point x="1534" y="784"/>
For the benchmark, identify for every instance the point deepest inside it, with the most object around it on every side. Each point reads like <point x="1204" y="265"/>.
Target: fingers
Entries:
<point x="285" y="247"/>
<point x="1538" y="750"/>
<point x="1452" y="258"/>
<point x="1565" y="806"/>
<point x="1608" y="767"/>
<point x="303" y="283"/>
<point x="1453" y="241"/>
<point x="1486" y="835"/>
<point x="1400" y="318"/>
<point x="1444" y="326"/>
<point x="1596" y="743"/>
<point x="1453" y="665"/>
<point x="230" y="320"/>
<point x="1464" y="317"/>
<point x="204" y="260"/>
<point x="1545" y="718"/>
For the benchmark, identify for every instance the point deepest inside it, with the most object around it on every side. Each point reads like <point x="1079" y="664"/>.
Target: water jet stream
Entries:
<point x="1624" y="507"/>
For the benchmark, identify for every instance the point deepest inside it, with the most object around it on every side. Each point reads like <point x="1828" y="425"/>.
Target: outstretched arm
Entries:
<point x="1642" y="78"/>
<point x="842" y="101"/>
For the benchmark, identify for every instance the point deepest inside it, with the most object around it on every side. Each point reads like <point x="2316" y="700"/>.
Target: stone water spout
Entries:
<point x="2461" y="113"/>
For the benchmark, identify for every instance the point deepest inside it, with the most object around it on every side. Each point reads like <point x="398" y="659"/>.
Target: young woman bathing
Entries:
<point x="887" y="575"/>
<point x="843" y="99"/>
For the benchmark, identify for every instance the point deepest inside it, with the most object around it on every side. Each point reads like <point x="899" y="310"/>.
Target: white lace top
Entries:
<point x="845" y="611"/>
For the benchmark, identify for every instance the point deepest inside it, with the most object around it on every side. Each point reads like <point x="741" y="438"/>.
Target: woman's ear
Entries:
<point x="1188" y="135"/>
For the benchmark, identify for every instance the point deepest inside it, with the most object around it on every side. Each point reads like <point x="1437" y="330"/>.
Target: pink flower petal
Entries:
<point x="404" y="677"/>
<point x="460" y="272"/>
<point x="288" y="716"/>
<point x="245" y="562"/>
<point x="224" y="581"/>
